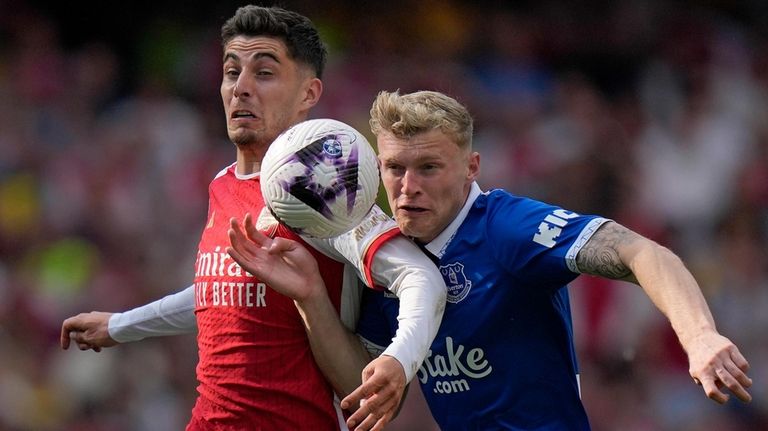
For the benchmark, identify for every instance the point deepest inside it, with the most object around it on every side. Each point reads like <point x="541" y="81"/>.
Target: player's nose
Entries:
<point x="243" y="86"/>
<point x="409" y="183"/>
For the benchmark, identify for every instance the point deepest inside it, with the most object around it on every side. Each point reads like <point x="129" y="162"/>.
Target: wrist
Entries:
<point x="316" y="294"/>
<point x="394" y="362"/>
<point x="691" y="338"/>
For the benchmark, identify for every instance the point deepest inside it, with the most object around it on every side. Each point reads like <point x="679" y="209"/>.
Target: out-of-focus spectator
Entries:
<point x="109" y="135"/>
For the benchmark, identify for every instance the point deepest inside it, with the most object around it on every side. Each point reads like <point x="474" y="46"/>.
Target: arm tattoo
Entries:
<point x="600" y="255"/>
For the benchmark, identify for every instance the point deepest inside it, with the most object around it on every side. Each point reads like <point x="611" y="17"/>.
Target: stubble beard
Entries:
<point x="414" y="228"/>
<point x="247" y="138"/>
<point x="405" y="225"/>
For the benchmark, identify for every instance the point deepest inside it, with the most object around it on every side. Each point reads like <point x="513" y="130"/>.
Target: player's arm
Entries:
<point x="714" y="361"/>
<point x="385" y="258"/>
<point x="338" y="352"/>
<point x="170" y="315"/>
<point x="291" y="270"/>
<point x="407" y="272"/>
<point x="343" y="359"/>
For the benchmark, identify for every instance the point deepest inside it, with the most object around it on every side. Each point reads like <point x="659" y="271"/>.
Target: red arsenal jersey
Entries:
<point x="256" y="369"/>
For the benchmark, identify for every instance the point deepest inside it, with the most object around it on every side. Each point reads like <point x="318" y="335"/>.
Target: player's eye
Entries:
<point x="393" y="168"/>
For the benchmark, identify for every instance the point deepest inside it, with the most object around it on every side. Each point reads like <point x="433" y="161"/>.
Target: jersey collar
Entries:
<point x="245" y="176"/>
<point x="438" y="245"/>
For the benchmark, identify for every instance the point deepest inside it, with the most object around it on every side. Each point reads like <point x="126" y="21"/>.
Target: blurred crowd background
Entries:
<point x="653" y="113"/>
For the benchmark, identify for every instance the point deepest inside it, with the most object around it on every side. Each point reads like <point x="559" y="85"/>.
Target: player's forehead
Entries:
<point x="431" y="146"/>
<point x="248" y="48"/>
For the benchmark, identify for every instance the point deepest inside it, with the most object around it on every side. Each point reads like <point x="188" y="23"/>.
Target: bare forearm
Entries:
<point x="714" y="361"/>
<point x="339" y="353"/>
<point x="673" y="290"/>
<point x="619" y="253"/>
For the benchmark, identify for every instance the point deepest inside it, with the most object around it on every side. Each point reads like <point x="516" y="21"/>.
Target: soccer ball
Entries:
<point x="320" y="177"/>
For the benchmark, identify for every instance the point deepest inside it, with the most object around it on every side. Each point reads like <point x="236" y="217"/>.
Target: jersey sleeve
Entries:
<point x="359" y="245"/>
<point x="171" y="315"/>
<point x="378" y="320"/>
<point x="416" y="281"/>
<point x="384" y="258"/>
<point x="539" y="242"/>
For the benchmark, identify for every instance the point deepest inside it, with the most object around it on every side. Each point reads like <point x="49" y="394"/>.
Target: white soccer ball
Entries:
<point x="320" y="177"/>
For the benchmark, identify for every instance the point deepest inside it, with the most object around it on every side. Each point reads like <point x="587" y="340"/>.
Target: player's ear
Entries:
<point x="473" y="168"/>
<point x="312" y="90"/>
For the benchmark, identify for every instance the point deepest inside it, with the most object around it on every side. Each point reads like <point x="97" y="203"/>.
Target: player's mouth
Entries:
<point x="242" y="114"/>
<point x="411" y="210"/>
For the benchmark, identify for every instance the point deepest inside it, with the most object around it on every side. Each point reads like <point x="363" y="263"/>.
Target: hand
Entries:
<point x="285" y="265"/>
<point x="379" y="396"/>
<point x="714" y="363"/>
<point x="88" y="330"/>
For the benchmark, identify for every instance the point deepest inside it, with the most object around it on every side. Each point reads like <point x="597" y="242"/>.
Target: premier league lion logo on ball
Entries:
<point x="320" y="178"/>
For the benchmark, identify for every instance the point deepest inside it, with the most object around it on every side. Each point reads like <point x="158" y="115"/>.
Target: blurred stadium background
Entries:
<point x="650" y="112"/>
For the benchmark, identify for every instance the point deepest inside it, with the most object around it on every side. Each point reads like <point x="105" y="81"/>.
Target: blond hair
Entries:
<point x="409" y="114"/>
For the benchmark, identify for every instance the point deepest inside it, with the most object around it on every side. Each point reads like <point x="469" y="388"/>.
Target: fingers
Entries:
<point x="717" y="365"/>
<point x="736" y="381"/>
<point x="273" y="245"/>
<point x="237" y="257"/>
<point x="234" y="250"/>
<point x="253" y="238"/>
<point x="236" y="237"/>
<point x="250" y="229"/>
<point x="244" y="246"/>
<point x="380" y="424"/>
<point x="280" y="245"/>
<point x="712" y="390"/>
<point x="254" y="234"/>
<point x="355" y="398"/>
<point x="71" y="328"/>
<point x="727" y="375"/>
<point x="732" y="374"/>
<point x="361" y="419"/>
<point x="237" y="241"/>
<point x="65" y="328"/>
<point x="247" y="237"/>
<point x="81" y="339"/>
<point x="370" y="416"/>
<point x="378" y="402"/>
<point x="87" y="331"/>
<point x="740" y="361"/>
<point x="361" y="394"/>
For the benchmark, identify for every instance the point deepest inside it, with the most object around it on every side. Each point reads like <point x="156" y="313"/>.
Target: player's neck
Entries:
<point x="247" y="168"/>
<point x="248" y="162"/>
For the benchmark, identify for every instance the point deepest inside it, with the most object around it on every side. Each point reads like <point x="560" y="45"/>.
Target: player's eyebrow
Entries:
<point x="255" y="56"/>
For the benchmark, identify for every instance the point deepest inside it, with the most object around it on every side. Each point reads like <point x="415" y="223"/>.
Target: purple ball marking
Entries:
<point x="314" y="195"/>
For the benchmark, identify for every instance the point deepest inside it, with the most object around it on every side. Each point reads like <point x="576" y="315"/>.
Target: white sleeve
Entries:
<point x="354" y="246"/>
<point x="171" y="315"/>
<point x="383" y="257"/>
<point x="409" y="274"/>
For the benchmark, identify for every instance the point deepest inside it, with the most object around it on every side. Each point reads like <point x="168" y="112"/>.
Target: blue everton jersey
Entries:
<point x="503" y="358"/>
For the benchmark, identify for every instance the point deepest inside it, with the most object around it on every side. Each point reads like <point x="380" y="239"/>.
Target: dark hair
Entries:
<point x="296" y="30"/>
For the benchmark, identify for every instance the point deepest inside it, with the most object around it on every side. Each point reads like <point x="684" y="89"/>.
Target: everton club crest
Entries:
<point x="457" y="283"/>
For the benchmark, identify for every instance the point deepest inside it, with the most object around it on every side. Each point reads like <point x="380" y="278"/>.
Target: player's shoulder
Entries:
<point x="503" y="205"/>
<point x="229" y="169"/>
<point x="503" y="215"/>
